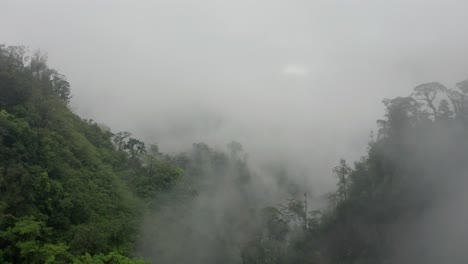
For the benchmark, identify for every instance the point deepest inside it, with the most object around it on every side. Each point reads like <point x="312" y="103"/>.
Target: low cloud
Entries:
<point x="295" y="70"/>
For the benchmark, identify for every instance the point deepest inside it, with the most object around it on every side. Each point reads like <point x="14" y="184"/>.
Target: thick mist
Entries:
<point x="298" y="81"/>
<point x="435" y="179"/>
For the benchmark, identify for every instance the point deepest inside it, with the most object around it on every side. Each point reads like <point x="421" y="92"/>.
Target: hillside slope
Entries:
<point x="61" y="188"/>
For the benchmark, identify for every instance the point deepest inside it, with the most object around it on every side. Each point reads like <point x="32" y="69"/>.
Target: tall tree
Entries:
<point x="427" y="92"/>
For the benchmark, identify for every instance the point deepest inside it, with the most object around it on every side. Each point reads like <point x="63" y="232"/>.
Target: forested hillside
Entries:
<point x="71" y="191"/>
<point x="66" y="191"/>
<point x="401" y="203"/>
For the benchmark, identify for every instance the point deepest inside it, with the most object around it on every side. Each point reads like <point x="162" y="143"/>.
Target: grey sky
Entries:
<point x="299" y="79"/>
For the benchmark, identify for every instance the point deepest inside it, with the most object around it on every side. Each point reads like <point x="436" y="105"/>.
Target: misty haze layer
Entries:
<point x="297" y="81"/>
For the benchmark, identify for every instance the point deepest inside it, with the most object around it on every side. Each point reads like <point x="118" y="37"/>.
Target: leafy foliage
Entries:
<point x="65" y="188"/>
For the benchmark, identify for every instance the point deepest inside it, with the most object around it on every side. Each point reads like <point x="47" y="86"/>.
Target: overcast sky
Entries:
<point x="300" y="80"/>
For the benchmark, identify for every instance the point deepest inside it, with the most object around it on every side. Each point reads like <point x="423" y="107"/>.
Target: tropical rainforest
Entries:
<point x="72" y="191"/>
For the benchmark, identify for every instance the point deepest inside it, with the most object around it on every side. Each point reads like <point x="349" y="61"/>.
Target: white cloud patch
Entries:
<point x="295" y="70"/>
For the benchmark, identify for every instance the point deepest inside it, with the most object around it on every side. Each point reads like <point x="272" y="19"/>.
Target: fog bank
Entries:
<point x="292" y="80"/>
